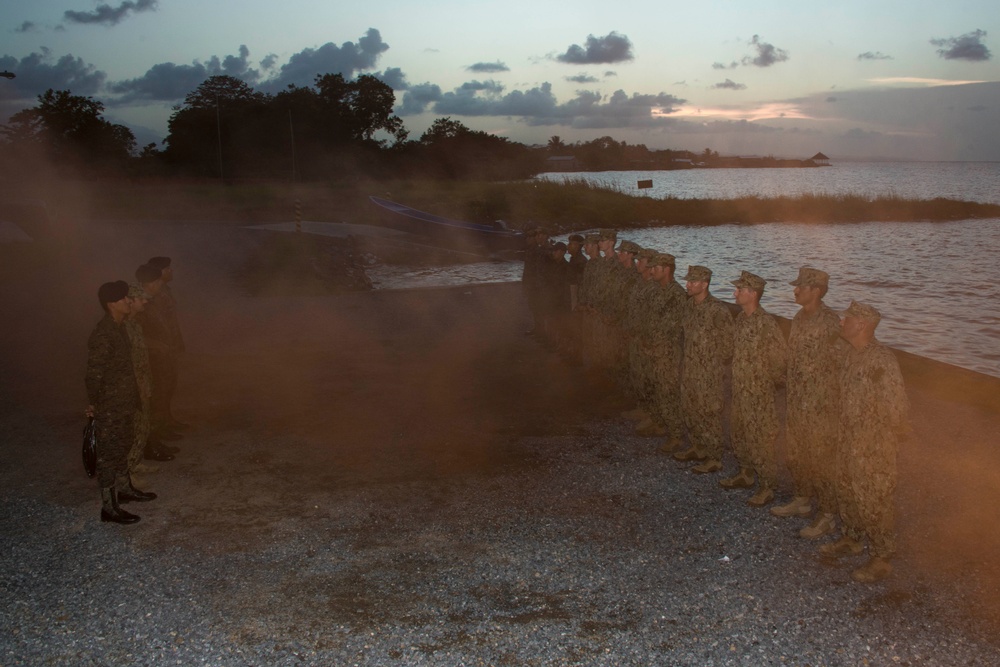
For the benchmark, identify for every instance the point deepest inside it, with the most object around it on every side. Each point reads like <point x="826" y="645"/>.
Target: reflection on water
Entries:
<point x="936" y="284"/>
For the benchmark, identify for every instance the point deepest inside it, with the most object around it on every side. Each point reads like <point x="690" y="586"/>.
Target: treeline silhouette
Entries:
<point x="337" y="128"/>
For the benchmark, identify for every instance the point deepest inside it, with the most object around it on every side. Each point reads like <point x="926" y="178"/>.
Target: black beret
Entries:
<point x="147" y="273"/>
<point x="111" y="292"/>
<point x="159" y="262"/>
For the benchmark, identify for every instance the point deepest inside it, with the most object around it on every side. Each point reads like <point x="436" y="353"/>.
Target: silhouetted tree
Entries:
<point x="70" y="130"/>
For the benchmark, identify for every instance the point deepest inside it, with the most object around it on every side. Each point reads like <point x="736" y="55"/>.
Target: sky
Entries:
<point x="879" y="79"/>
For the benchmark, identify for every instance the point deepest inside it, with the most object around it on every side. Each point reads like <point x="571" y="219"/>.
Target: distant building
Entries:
<point x="821" y="160"/>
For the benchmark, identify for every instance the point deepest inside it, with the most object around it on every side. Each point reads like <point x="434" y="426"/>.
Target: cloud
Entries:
<point x="612" y="48"/>
<point x="39" y="71"/>
<point x="538" y="106"/>
<point x="965" y="47"/>
<point x="27" y="26"/>
<point x="394" y="78"/>
<point x="610" y="72"/>
<point x="347" y="59"/>
<point x="729" y="84"/>
<point x="108" y="15"/>
<point x="767" y="54"/>
<point x="876" y="55"/>
<point x="417" y="98"/>
<point x="168" y="82"/>
<point x="582" y="78"/>
<point x="732" y="65"/>
<point x="488" y="68"/>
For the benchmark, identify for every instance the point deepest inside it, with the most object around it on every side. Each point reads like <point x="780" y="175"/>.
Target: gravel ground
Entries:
<point x="593" y="549"/>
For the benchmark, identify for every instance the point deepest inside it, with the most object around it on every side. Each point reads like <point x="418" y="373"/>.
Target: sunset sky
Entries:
<point x="904" y="79"/>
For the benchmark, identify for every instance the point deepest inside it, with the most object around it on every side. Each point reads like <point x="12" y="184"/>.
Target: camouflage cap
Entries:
<point x="750" y="280"/>
<point x="135" y="291"/>
<point x="698" y="274"/>
<point x="662" y="259"/>
<point x="111" y="292"/>
<point x="646" y="253"/>
<point x="629" y="247"/>
<point x="811" y="278"/>
<point x="607" y="234"/>
<point x="862" y="311"/>
<point x="591" y="238"/>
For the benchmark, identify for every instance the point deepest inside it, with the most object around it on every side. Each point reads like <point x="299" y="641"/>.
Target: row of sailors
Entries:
<point x="675" y="350"/>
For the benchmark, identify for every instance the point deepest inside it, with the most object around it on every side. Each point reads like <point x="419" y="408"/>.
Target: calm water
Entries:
<point x="967" y="181"/>
<point x="936" y="284"/>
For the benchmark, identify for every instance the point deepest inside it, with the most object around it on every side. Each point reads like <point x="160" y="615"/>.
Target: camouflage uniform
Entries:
<point x="662" y="336"/>
<point x="144" y="382"/>
<point x="815" y="357"/>
<point x="160" y="347"/>
<point x="640" y="366"/>
<point x="112" y="390"/>
<point x="758" y="365"/>
<point x="873" y="410"/>
<point x="708" y="347"/>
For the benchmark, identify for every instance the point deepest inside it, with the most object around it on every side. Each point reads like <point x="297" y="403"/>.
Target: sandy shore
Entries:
<point x="404" y="478"/>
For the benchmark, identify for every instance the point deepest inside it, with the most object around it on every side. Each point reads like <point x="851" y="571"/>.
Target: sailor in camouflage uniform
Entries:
<point x="598" y="299"/>
<point x="144" y="382"/>
<point x="662" y="336"/>
<point x="708" y="349"/>
<point x="640" y="364"/>
<point x="113" y="397"/>
<point x="622" y="281"/>
<point x="759" y="356"/>
<point x="815" y="357"/>
<point x="873" y="413"/>
<point x="166" y="303"/>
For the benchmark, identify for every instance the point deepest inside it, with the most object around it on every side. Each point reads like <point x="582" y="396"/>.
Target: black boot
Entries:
<point x="128" y="493"/>
<point x="110" y="511"/>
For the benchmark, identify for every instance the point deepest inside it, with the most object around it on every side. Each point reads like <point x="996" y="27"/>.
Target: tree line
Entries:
<point x="335" y="128"/>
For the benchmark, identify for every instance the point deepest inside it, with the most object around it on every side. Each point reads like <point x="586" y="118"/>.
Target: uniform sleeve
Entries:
<point x="777" y="352"/>
<point x="98" y="359"/>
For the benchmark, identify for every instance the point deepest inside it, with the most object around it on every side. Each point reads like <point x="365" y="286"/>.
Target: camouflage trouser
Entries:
<point x="115" y="434"/>
<point x="811" y="453"/>
<point x="640" y="380"/>
<point x="141" y="430"/>
<point x="866" y="485"/>
<point x="667" y="388"/>
<point x="702" y="403"/>
<point x="754" y="430"/>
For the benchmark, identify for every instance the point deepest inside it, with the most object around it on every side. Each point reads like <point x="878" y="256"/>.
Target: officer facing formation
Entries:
<point x="113" y="396"/>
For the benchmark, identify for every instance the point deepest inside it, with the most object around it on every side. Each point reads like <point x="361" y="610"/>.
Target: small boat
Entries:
<point x="457" y="234"/>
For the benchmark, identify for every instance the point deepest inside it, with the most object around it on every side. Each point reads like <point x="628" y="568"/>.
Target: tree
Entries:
<point x="70" y="130"/>
<point x="556" y="144"/>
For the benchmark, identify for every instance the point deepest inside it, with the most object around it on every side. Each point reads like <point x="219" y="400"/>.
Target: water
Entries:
<point x="936" y="284"/>
<point x="966" y="181"/>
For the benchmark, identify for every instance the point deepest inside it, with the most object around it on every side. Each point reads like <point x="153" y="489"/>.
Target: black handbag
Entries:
<point x="90" y="447"/>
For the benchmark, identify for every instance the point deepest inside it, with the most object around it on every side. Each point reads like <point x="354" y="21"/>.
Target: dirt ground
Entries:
<point x="290" y="396"/>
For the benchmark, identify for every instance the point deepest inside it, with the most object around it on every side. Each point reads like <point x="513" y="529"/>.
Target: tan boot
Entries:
<point x="142" y="466"/>
<point x="689" y="454"/>
<point x="635" y="414"/>
<point x="650" y="429"/>
<point x="845" y="546"/>
<point x="800" y="506"/>
<point x="670" y="445"/>
<point x="822" y="525"/>
<point x="874" y="570"/>
<point x="744" y="479"/>
<point x="709" y="466"/>
<point x="763" y="496"/>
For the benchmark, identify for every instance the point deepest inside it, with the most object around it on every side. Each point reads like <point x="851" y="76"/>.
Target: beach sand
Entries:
<point x="404" y="477"/>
